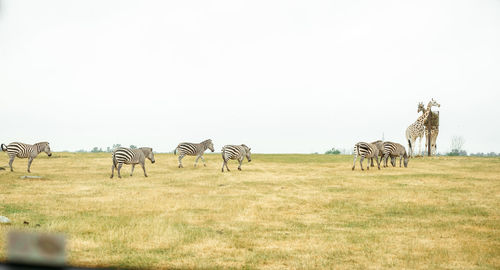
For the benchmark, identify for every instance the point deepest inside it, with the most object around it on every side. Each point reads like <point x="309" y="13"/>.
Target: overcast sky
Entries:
<point x="279" y="76"/>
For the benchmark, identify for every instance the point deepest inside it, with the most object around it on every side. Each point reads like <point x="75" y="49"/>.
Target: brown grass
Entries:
<point x="280" y="212"/>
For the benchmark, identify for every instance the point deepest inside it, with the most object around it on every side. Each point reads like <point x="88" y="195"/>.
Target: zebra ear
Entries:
<point x="249" y="149"/>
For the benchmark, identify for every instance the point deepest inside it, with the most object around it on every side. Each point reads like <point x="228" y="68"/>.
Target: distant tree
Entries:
<point x="116" y="145"/>
<point x="457" y="142"/>
<point x="81" y="151"/>
<point x="96" y="150"/>
<point x="133" y="146"/>
<point x="332" y="151"/>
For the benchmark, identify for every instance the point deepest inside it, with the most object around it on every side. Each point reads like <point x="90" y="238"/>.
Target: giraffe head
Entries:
<point x="433" y="103"/>
<point x="421" y="107"/>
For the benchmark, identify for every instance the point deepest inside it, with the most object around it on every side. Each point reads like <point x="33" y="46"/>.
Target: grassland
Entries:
<point x="280" y="212"/>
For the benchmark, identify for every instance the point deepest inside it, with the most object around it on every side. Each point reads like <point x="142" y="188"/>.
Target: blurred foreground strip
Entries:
<point x="31" y="248"/>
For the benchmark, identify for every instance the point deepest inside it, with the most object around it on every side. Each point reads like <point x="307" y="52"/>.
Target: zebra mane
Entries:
<point x="41" y="143"/>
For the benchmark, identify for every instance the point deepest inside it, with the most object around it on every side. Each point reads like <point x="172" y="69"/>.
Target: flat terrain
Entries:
<point x="280" y="212"/>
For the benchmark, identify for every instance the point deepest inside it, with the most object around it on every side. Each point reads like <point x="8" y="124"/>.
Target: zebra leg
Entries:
<point x="118" y="169"/>
<point x="378" y="162"/>
<point x="196" y="161"/>
<point x="361" y="163"/>
<point x="202" y="159"/>
<point x="112" y="171"/>
<point x="386" y="156"/>
<point x="180" y="160"/>
<point x="400" y="159"/>
<point x="354" y="162"/>
<point x="239" y="167"/>
<point x="227" y="168"/>
<point x="29" y="164"/>
<point x="10" y="163"/>
<point x="131" y="172"/>
<point x="371" y="162"/>
<point x="144" y="169"/>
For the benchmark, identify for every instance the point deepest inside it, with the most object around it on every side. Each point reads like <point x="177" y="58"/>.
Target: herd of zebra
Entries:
<point x="381" y="149"/>
<point x="124" y="155"/>
<point x="130" y="156"/>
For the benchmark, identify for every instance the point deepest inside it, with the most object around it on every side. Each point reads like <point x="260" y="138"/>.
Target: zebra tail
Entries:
<point x="175" y="151"/>
<point x="4" y="147"/>
<point x="409" y="144"/>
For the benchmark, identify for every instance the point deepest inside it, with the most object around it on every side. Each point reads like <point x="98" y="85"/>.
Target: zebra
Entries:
<point x="194" y="149"/>
<point x="380" y="145"/>
<point x="365" y="150"/>
<point x="238" y="152"/>
<point x="22" y="150"/>
<point x="131" y="156"/>
<point x="393" y="150"/>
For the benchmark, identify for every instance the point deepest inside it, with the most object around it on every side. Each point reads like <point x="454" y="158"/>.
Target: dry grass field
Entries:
<point x="280" y="212"/>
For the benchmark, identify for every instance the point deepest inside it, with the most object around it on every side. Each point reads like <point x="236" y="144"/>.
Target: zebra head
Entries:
<point x="148" y="153"/>
<point x="405" y="156"/>
<point x="208" y="143"/>
<point x="44" y="147"/>
<point x="247" y="152"/>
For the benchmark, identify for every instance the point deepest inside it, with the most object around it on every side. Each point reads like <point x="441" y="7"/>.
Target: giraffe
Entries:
<point x="434" y="134"/>
<point x="417" y="129"/>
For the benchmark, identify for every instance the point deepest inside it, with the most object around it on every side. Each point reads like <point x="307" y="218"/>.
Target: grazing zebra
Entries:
<point x="380" y="146"/>
<point x="194" y="149"/>
<point x="365" y="150"/>
<point x="238" y="152"/>
<point x="416" y="130"/>
<point x="22" y="150"/>
<point x="394" y="150"/>
<point x="131" y="156"/>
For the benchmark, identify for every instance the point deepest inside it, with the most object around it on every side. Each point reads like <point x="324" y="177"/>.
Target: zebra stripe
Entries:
<point x="193" y="149"/>
<point x="393" y="150"/>
<point x="23" y="150"/>
<point x="365" y="150"/>
<point x="238" y="152"/>
<point x="124" y="155"/>
<point x="380" y="146"/>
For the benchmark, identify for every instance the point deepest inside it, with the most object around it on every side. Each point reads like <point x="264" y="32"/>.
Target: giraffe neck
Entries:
<point x="424" y="116"/>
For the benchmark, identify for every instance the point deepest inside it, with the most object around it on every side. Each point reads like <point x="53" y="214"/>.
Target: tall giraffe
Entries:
<point x="417" y="129"/>
<point x="434" y="134"/>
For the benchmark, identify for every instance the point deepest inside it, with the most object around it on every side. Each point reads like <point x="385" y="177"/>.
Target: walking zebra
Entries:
<point x="124" y="155"/>
<point x="238" y="152"/>
<point x="393" y="150"/>
<point x="194" y="149"/>
<point x="22" y="150"/>
<point x="365" y="150"/>
<point x="380" y="146"/>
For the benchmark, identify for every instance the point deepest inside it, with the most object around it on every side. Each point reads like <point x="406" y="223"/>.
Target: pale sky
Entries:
<point x="279" y="76"/>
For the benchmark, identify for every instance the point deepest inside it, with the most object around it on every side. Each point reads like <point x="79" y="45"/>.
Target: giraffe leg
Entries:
<point x="420" y="146"/>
